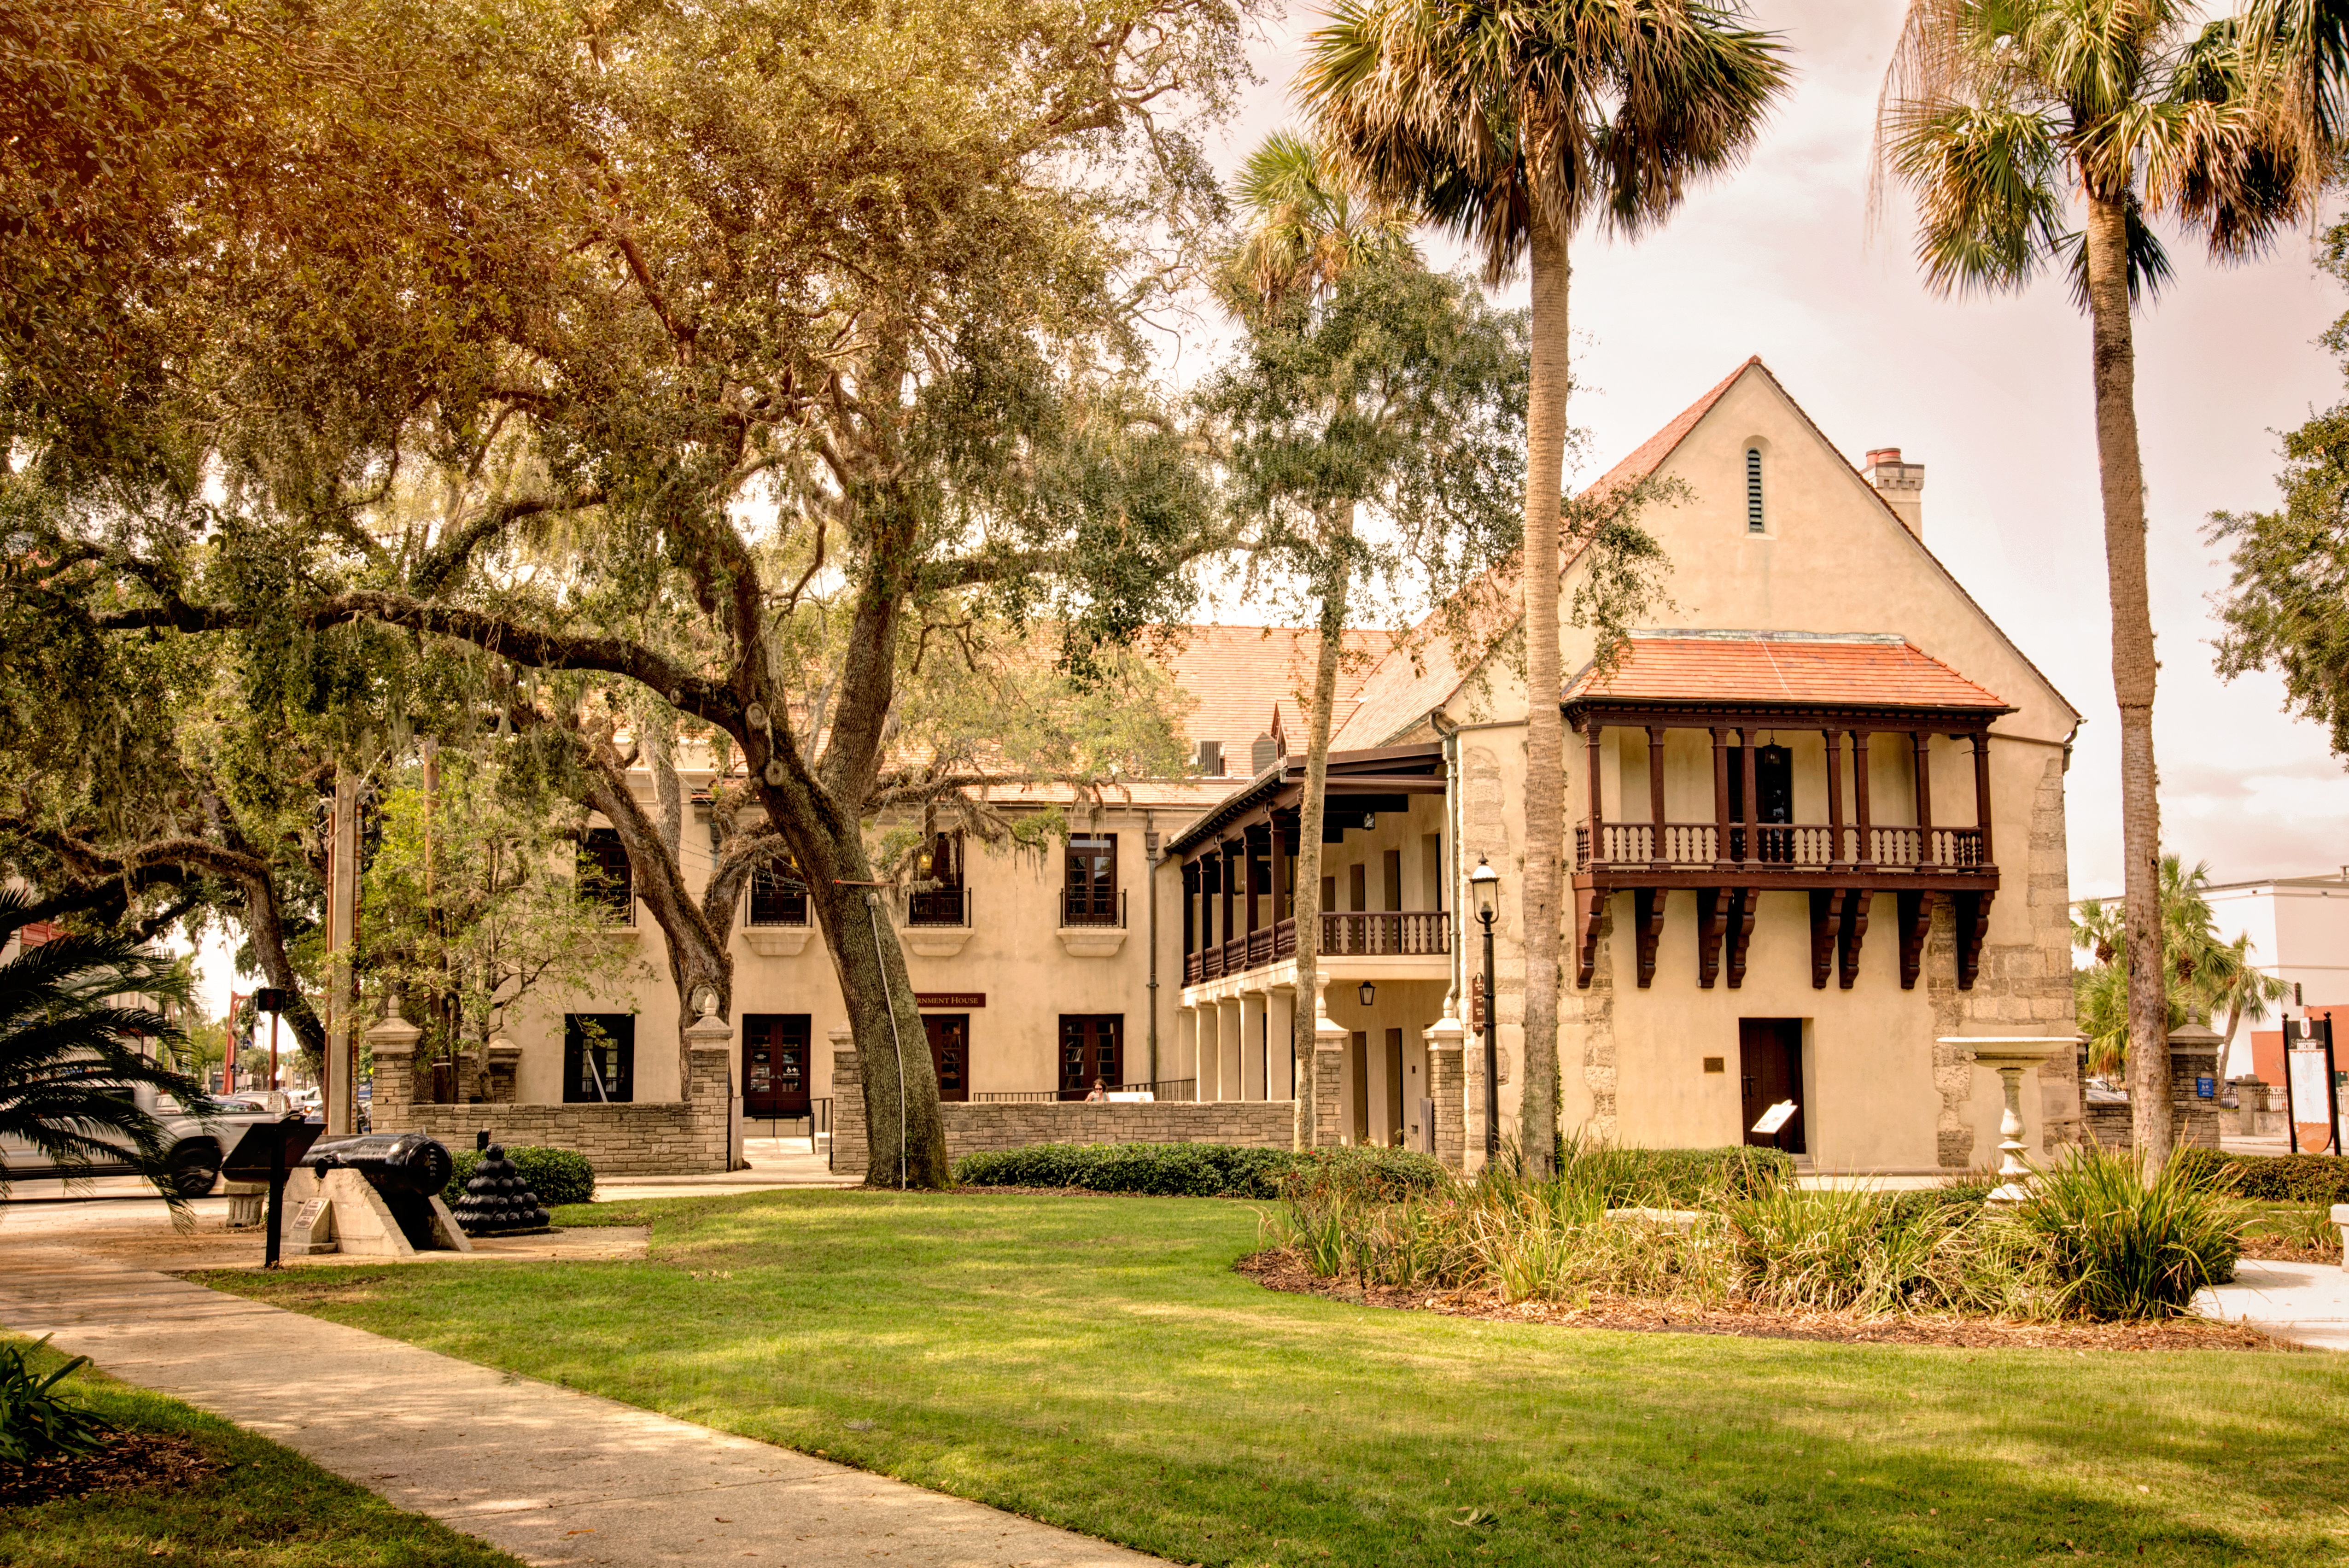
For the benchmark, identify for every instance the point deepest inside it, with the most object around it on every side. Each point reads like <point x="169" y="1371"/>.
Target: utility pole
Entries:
<point x="228" y="1046"/>
<point x="340" y="1089"/>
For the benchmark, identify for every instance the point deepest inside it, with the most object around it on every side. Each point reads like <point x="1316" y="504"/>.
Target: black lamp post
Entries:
<point x="1485" y="888"/>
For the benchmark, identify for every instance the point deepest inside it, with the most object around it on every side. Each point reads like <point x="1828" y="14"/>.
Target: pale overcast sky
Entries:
<point x="1992" y="396"/>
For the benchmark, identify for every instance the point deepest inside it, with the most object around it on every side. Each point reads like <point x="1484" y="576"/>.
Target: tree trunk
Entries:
<point x="1309" y="815"/>
<point x="2121" y="471"/>
<point x="1544" y="827"/>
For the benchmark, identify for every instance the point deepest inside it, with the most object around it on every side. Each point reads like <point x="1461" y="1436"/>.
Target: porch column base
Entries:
<point x="1447" y="1089"/>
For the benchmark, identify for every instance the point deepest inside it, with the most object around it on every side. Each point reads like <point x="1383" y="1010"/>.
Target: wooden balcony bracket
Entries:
<point x="1649" y="902"/>
<point x="1915" y="920"/>
<point x="1855" y="927"/>
<point x="1712" y="922"/>
<point x="1589" y="909"/>
<point x="1741" y="903"/>
<point x="1972" y="911"/>
<point x="1826" y="932"/>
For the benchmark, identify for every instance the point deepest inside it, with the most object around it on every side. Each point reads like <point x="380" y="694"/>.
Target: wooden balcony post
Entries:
<point x="1753" y="795"/>
<point x="1598" y="815"/>
<point x="1980" y="739"/>
<point x="1190" y="913"/>
<point x="1859" y="796"/>
<point x="1224" y="895"/>
<point x="1924" y="744"/>
<point x="1657" y="857"/>
<point x="1719" y="798"/>
<point x="1835" y="861"/>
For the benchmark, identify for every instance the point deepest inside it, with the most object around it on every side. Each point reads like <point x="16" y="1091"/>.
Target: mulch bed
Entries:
<point x="2267" y="1249"/>
<point x="1284" y="1271"/>
<point x="132" y="1460"/>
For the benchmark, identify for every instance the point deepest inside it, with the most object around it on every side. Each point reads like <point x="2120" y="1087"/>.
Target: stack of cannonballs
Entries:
<point x="497" y="1201"/>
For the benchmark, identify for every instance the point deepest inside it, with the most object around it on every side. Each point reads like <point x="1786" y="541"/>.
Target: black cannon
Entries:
<point x="406" y="1169"/>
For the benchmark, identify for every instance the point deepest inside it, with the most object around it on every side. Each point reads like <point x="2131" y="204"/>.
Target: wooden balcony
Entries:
<point x="1641" y="850"/>
<point x="1380" y="933"/>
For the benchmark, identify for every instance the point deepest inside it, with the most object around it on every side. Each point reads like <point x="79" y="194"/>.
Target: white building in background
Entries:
<point x="2298" y="927"/>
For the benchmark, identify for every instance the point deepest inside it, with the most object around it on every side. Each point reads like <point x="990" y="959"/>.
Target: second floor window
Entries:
<point x="778" y="895"/>
<point x="1090" y="898"/>
<point x="604" y="876"/>
<point x="938" y="896"/>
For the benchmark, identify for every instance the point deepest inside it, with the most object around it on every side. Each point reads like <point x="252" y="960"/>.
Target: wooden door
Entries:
<point x="1091" y="1046"/>
<point x="949" y="1037"/>
<point x="775" y="1064"/>
<point x="1770" y="1061"/>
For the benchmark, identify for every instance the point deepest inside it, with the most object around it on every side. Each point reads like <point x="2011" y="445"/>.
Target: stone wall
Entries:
<point x="659" y="1137"/>
<point x="1246" y="1124"/>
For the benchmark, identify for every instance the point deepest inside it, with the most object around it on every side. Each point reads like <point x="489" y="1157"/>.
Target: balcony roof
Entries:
<point x="1780" y="669"/>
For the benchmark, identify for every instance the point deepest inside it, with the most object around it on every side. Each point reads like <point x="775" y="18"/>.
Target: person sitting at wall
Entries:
<point x="1099" y="1093"/>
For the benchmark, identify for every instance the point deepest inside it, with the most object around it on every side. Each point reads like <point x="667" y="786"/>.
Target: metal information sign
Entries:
<point x="2311" y="1097"/>
<point x="1776" y="1117"/>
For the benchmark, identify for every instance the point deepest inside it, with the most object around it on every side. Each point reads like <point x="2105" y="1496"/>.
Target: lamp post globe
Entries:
<point x="1485" y="890"/>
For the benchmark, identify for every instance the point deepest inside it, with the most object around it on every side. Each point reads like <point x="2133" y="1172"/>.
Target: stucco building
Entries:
<point x="1815" y="830"/>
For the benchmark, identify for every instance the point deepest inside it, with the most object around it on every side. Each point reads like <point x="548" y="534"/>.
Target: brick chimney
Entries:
<point x="1902" y="485"/>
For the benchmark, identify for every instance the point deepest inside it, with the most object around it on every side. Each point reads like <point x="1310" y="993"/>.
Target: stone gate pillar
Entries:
<point x="392" y="1043"/>
<point x="848" y="1147"/>
<point x="1329" y="1070"/>
<point x="1447" y="1086"/>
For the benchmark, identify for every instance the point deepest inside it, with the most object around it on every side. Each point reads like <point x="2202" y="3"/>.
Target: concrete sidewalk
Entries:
<point x="553" y="1476"/>
<point x="2307" y="1303"/>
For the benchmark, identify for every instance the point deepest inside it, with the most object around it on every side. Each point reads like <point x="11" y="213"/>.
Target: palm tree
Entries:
<point x="1306" y="230"/>
<point x="1993" y="113"/>
<point x="1510" y="122"/>
<point x="2204" y="973"/>
<point x="72" y="1029"/>
<point x="2299" y="56"/>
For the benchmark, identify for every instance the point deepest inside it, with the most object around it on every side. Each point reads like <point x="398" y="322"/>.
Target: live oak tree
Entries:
<point x="713" y="327"/>
<point x="2003" y="117"/>
<point x="1511" y="123"/>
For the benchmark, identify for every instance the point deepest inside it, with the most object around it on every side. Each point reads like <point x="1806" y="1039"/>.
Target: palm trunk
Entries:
<point x="2122" y="472"/>
<point x="1545" y="830"/>
<point x="1309" y="815"/>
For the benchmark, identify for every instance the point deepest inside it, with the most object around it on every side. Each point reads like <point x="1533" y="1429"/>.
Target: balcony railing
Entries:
<point x="938" y="906"/>
<point x="1383" y="933"/>
<point x="1693" y="847"/>
<point x="1093" y="907"/>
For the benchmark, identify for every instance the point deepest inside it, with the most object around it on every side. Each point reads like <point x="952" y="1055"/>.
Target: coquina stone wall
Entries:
<point x="659" y="1137"/>
<point x="1246" y="1124"/>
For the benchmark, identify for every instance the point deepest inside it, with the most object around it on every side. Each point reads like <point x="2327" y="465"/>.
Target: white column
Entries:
<point x="1253" y="1046"/>
<point x="1205" y="1049"/>
<point x="1228" y="1051"/>
<point x="1280" y="1015"/>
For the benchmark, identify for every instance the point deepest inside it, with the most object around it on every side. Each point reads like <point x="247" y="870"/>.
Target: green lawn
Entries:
<point x="1093" y="1362"/>
<point x="268" y="1508"/>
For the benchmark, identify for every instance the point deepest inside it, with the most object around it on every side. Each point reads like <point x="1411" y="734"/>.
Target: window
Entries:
<point x="1357" y="888"/>
<point x="949" y="1038"/>
<point x="1091" y="1046"/>
<point x="777" y="895"/>
<point x="1431" y="870"/>
<point x="1391" y="879"/>
<point x="1089" y="893"/>
<point x="604" y="876"/>
<point x="1208" y="760"/>
<point x="1754" y="519"/>
<point x="599" y="1058"/>
<point x="937" y="864"/>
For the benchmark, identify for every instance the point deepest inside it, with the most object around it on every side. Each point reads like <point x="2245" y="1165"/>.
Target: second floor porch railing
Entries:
<point x="1695" y="846"/>
<point x="1400" y="933"/>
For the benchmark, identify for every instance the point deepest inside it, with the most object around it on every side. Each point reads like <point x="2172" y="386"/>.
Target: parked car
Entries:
<point x="197" y="1142"/>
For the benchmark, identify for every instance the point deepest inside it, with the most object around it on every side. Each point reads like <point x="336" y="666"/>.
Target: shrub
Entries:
<point x="557" y="1175"/>
<point x="1671" y="1177"/>
<point x="2124" y="1246"/>
<point x="2268" y="1178"/>
<point x="1204" y="1169"/>
<point x="35" y="1421"/>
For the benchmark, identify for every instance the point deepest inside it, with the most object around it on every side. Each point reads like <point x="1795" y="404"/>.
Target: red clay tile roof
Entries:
<point x="1236" y="676"/>
<point x="1855" y="669"/>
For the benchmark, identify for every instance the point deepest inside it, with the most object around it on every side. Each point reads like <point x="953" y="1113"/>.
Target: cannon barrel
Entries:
<point x="392" y="1162"/>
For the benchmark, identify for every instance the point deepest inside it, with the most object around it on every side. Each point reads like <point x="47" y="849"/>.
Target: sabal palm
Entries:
<point x="1510" y="123"/>
<point x="2299" y="51"/>
<point x="70" y="1042"/>
<point x="1994" y="114"/>
<point x="2216" y="977"/>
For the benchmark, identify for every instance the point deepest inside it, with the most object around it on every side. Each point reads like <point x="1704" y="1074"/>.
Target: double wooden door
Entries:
<point x="1093" y="1046"/>
<point x="775" y="1064"/>
<point x="949" y="1038"/>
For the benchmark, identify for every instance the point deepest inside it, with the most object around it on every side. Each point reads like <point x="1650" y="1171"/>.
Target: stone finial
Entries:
<point x="393" y="1037"/>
